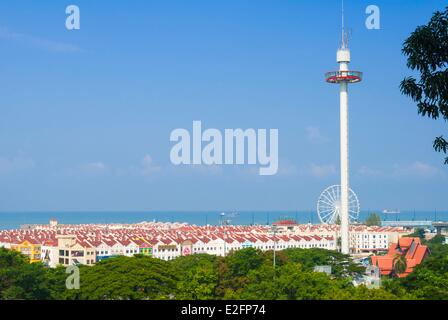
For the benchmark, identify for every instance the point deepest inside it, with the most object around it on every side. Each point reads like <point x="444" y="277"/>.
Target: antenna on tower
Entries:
<point x="343" y="25"/>
<point x="344" y="38"/>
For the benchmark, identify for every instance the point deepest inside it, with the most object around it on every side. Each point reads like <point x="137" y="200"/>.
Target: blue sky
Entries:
<point x="85" y="116"/>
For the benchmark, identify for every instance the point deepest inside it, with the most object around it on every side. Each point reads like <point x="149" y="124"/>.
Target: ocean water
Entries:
<point x="12" y="220"/>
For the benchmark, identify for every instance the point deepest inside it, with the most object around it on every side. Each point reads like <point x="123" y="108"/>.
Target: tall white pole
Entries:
<point x="345" y="246"/>
<point x="344" y="59"/>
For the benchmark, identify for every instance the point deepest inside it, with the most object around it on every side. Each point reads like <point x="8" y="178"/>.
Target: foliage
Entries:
<point x="127" y="278"/>
<point x="400" y="264"/>
<point x="235" y="268"/>
<point x="341" y="264"/>
<point x="243" y="274"/>
<point x="427" y="53"/>
<point x="438" y="239"/>
<point x="429" y="280"/>
<point x="338" y="220"/>
<point x="242" y="261"/>
<point x="198" y="277"/>
<point x="373" y="220"/>
<point x="21" y="280"/>
<point x="418" y="233"/>
<point x="363" y="293"/>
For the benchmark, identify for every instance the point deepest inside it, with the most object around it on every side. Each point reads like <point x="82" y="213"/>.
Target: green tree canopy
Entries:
<point x="127" y="278"/>
<point x="427" y="53"/>
<point x="242" y="261"/>
<point x="429" y="280"/>
<point x="373" y="219"/>
<point x="438" y="239"/>
<point x="418" y="233"/>
<point x="400" y="264"/>
<point x="244" y="274"/>
<point x="341" y="264"/>
<point x="21" y="280"/>
<point x="198" y="276"/>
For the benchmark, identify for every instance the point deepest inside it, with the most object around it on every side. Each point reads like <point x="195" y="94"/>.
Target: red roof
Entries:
<point x="285" y="223"/>
<point x="411" y="248"/>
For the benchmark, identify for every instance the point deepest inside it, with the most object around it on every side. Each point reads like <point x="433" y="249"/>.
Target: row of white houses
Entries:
<point x="80" y="246"/>
<point x="89" y="244"/>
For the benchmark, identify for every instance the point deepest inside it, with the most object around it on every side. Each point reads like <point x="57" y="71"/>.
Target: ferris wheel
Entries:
<point x="329" y="205"/>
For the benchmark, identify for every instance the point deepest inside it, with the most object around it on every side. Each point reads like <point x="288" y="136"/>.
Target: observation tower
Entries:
<point x="343" y="78"/>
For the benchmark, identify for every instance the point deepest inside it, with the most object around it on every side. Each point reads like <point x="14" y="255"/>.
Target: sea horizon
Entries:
<point x="16" y="219"/>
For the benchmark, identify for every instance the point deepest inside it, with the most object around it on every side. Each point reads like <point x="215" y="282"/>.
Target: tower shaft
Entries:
<point x="343" y="58"/>
<point x="344" y="215"/>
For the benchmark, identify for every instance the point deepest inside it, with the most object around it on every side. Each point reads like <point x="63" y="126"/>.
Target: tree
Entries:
<point x="260" y="285"/>
<point x="418" y="233"/>
<point x="338" y="220"/>
<point x="244" y="274"/>
<point x="20" y="279"/>
<point x="293" y="282"/>
<point x="198" y="277"/>
<point x="234" y="270"/>
<point x="298" y="284"/>
<point x="373" y="220"/>
<point x="438" y="239"/>
<point x="341" y="264"/>
<point x="400" y="264"/>
<point x="127" y="278"/>
<point x="365" y="294"/>
<point x="429" y="280"/>
<point x="427" y="52"/>
<point x="242" y="261"/>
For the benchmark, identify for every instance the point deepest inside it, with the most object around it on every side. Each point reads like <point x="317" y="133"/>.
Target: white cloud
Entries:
<point x="417" y="168"/>
<point x="203" y="170"/>
<point x="97" y="168"/>
<point x="94" y="168"/>
<point x="16" y="164"/>
<point x="315" y="135"/>
<point x="322" y="171"/>
<point x="367" y="171"/>
<point x="213" y="170"/>
<point x="37" y="42"/>
<point x="147" y="166"/>
<point x="287" y="168"/>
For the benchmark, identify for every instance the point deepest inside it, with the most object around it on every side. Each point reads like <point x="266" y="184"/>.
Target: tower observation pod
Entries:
<point x="343" y="78"/>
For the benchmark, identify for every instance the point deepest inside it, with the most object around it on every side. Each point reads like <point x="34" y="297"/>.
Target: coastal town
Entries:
<point x="86" y="244"/>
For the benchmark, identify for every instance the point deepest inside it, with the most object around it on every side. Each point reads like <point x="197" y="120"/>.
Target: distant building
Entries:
<point x="71" y="251"/>
<point x="323" y="269"/>
<point x="144" y="246"/>
<point x="284" y="226"/>
<point x="371" y="279"/>
<point x="49" y="254"/>
<point x="53" y="223"/>
<point x="30" y="248"/>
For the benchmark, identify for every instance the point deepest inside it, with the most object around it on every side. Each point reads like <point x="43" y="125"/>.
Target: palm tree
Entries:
<point x="400" y="264"/>
<point x="338" y="220"/>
